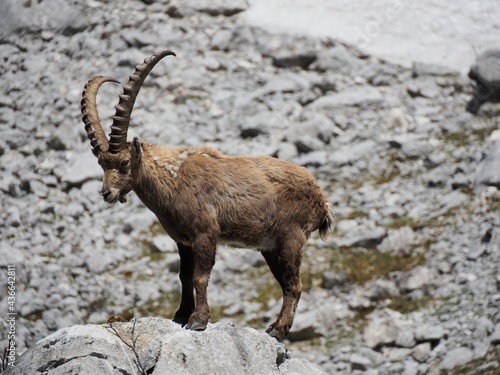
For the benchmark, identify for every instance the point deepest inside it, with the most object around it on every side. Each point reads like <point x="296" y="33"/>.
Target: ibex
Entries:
<point x="203" y="197"/>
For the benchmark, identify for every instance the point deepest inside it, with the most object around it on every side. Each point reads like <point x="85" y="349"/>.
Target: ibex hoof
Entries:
<point x="196" y="325"/>
<point x="273" y="332"/>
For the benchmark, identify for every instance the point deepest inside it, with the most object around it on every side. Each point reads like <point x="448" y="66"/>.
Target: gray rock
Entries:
<point x="375" y="357"/>
<point x="353" y="153"/>
<point x="98" y="263"/>
<point x="299" y="366"/>
<point x="158" y="346"/>
<point x="488" y="172"/>
<point x="359" y="362"/>
<point x="398" y="241"/>
<point x="359" y="96"/>
<point x="217" y="7"/>
<point x="383" y="328"/>
<point x="368" y="239"/>
<point x="495" y="336"/>
<point x="416" y="149"/>
<point x="320" y="320"/>
<point x="288" y="59"/>
<point x="481" y="347"/>
<point x="82" y="169"/>
<point x="428" y="332"/>
<point x="486" y="74"/>
<point x="420" y="69"/>
<point x="337" y="60"/>
<point x="418" y="278"/>
<point x="256" y="125"/>
<point x="220" y="40"/>
<point x="456" y="357"/>
<point x="396" y="354"/>
<point x="138" y="38"/>
<point x="163" y="243"/>
<point x="411" y="368"/>
<point x="381" y="289"/>
<point x="406" y="339"/>
<point x="333" y="280"/>
<point x="286" y="151"/>
<point x="421" y="352"/>
<point x="13" y="217"/>
<point x="285" y="84"/>
<point x="312" y="159"/>
<point x="358" y="302"/>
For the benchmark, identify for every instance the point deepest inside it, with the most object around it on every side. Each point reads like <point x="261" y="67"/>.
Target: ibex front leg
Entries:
<point x="284" y="262"/>
<point x="186" y="307"/>
<point x="204" y="248"/>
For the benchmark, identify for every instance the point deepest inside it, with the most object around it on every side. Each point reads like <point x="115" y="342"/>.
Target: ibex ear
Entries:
<point x="136" y="149"/>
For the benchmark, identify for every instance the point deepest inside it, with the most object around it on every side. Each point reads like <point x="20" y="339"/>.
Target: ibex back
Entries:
<point x="203" y="197"/>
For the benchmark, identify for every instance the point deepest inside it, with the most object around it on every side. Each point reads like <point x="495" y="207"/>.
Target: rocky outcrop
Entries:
<point x="485" y="73"/>
<point x="158" y="346"/>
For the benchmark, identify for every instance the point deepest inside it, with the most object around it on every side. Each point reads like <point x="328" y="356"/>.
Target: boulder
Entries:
<point x="158" y="346"/>
<point x="486" y="76"/>
<point x="488" y="172"/>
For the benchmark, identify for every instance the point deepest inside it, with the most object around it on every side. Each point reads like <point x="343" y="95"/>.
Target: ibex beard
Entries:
<point x="203" y="197"/>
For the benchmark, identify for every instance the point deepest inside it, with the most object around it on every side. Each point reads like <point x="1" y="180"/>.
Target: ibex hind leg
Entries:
<point x="186" y="306"/>
<point x="284" y="262"/>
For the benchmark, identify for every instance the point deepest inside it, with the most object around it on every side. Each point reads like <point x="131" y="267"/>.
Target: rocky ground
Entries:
<point x="158" y="346"/>
<point x="407" y="283"/>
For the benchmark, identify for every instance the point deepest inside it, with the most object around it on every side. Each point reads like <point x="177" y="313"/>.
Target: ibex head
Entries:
<point x="116" y="156"/>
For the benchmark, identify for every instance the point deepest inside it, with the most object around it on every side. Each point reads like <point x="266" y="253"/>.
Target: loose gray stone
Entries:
<point x="456" y="357"/>
<point x="418" y="278"/>
<point x="332" y="280"/>
<point x="362" y="96"/>
<point x="381" y="289"/>
<point x="383" y="329"/>
<point x="256" y="125"/>
<point x="288" y="59"/>
<point x="411" y="367"/>
<point x="359" y="362"/>
<point x="163" y="243"/>
<point x="220" y="40"/>
<point x="217" y="7"/>
<point x="398" y="241"/>
<point x="337" y="60"/>
<point x="486" y="74"/>
<point x="495" y="336"/>
<point x="137" y="38"/>
<point x="83" y="168"/>
<point x="488" y="172"/>
<point x="421" y="352"/>
<point x="406" y="339"/>
<point x="368" y="239"/>
<point x="420" y="69"/>
<point x="429" y="332"/>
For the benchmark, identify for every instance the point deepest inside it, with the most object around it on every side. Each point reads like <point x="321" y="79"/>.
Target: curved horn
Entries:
<point x="121" y="119"/>
<point x="90" y="118"/>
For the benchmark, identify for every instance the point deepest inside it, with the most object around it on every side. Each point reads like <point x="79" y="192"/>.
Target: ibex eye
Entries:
<point x="124" y="166"/>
